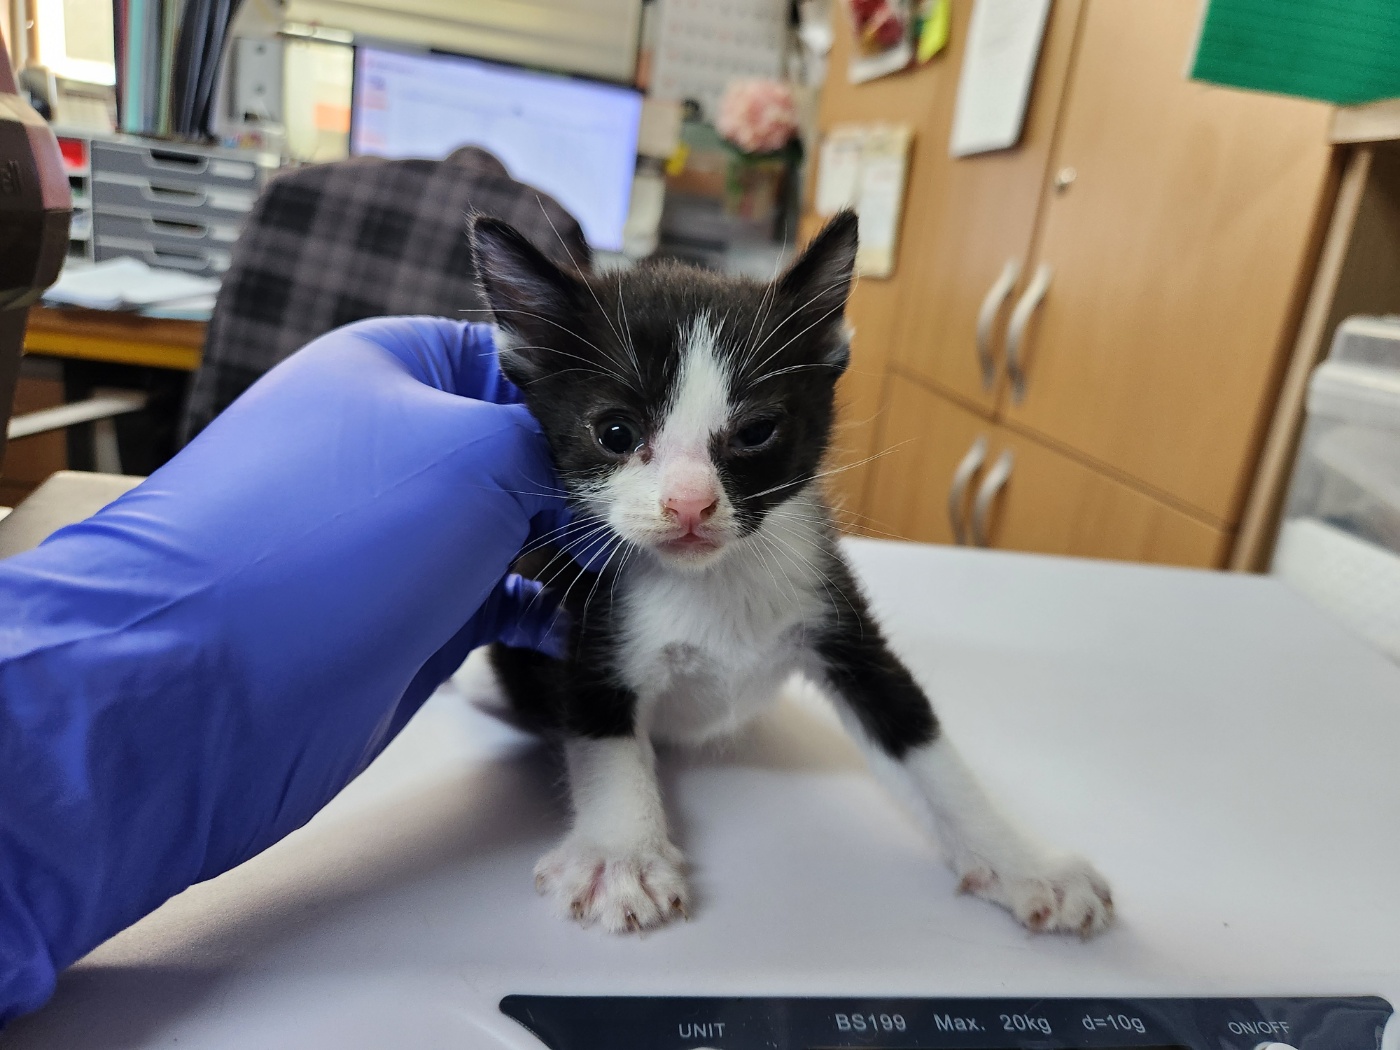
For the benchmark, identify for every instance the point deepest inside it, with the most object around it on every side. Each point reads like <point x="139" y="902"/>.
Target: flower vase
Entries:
<point x="754" y="186"/>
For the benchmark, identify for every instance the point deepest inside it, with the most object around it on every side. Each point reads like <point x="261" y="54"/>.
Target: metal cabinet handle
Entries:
<point x="987" y="316"/>
<point x="967" y="467"/>
<point x="991" y="485"/>
<point x="1016" y="330"/>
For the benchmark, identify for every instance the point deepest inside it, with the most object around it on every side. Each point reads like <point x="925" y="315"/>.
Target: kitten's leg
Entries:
<point x="617" y="866"/>
<point x="890" y="716"/>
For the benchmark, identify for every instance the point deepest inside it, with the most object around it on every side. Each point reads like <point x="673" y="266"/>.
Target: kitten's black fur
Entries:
<point x="571" y="340"/>
<point x="689" y="415"/>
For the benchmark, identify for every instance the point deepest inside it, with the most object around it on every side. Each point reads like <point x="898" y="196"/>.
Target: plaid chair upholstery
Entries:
<point x="366" y="237"/>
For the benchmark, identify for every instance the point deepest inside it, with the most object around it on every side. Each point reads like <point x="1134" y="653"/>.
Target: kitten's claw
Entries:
<point x="621" y="890"/>
<point x="1061" y="895"/>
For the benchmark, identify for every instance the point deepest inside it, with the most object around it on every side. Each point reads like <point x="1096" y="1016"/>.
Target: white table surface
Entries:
<point x="1224" y="753"/>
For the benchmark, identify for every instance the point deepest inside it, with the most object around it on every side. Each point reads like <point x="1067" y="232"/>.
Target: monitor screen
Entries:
<point x="575" y="139"/>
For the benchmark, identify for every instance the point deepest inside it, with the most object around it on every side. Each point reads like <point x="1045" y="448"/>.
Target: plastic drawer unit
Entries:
<point x="1340" y="539"/>
<point x="173" y="206"/>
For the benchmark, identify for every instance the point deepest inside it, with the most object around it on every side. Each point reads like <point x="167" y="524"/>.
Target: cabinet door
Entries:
<point x="914" y="98"/>
<point x="1177" y="254"/>
<point x="974" y="216"/>
<point x="963" y="221"/>
<point x="1057" y="505"/>
<point x="925" y="437"/>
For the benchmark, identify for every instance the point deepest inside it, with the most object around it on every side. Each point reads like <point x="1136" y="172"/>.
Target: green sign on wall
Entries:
<point x="1342" y="51"/>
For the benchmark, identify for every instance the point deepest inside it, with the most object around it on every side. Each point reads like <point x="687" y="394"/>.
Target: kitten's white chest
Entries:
<point x="706" y="653"/>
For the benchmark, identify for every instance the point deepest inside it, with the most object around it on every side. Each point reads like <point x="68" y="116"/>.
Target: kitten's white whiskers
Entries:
<point x="779" y="326"/>
<point x="584" y="279"/>
<point x="765" y="305"/>
<point x="626" y="327"/>
<point x="822" y="319"/>
<point x="826" y="473"/>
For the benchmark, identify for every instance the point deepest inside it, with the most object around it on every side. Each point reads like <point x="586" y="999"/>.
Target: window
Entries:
<point x="75" y="39"/>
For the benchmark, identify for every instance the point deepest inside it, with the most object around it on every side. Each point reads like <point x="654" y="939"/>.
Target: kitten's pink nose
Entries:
<point x="690" y="510"/>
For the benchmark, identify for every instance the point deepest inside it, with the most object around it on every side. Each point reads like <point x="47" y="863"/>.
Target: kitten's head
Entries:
<point x="681" y="406"/>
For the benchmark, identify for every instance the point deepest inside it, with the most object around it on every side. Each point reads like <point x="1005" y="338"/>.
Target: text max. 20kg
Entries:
<point x="1024" y="1023"/>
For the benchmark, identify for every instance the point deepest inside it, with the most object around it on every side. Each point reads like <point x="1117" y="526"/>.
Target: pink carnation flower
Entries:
<point x="758" y="116"/>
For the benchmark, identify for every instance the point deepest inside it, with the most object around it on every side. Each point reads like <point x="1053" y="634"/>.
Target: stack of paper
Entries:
<point x="129" y="284"/>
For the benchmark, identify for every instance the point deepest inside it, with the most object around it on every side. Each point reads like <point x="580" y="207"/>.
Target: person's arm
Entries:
<point x="193" y="672"/>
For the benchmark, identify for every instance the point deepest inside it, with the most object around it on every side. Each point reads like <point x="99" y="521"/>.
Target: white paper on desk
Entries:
<point x="1003" y="46"/>
<point x="126" y="284"/>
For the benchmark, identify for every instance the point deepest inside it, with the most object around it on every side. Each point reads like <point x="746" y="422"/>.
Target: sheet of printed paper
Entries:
<point x="1003" y="47"/>
<point x="880" y="205"/>
<point x="701" y="45"/>
<point x="838" y="169"/>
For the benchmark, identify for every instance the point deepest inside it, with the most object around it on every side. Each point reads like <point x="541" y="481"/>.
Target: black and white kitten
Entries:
<point x="688" y="414"/>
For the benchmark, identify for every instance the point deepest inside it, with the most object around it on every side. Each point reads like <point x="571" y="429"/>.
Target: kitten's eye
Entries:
<point x="754" y="435"/>
<point x="618" y="436"/>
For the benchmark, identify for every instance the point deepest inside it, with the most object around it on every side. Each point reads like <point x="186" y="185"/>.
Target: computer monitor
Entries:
<point x="575" y="139"/>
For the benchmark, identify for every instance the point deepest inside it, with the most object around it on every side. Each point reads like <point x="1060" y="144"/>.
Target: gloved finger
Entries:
<point x="451" y="356"/>
<point x="526" y="615"/>
<point x="518" y="612"/>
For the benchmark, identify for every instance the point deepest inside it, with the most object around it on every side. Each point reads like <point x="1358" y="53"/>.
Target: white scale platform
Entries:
<point x="1227" y="756"/>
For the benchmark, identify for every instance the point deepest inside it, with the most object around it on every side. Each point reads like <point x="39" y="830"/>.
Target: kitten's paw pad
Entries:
<point x="624" y="891"/>
<point x="1064" y="896"/>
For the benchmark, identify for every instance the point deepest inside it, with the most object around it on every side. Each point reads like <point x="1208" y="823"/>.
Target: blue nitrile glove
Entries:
<point x="192" y="673"/>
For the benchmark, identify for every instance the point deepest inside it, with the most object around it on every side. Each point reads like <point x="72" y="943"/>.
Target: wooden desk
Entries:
<point x="119" y="338"/>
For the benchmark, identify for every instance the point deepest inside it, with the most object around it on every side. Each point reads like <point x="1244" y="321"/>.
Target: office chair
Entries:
<point x="35" y="207"/>
<point x="365" y="237"/>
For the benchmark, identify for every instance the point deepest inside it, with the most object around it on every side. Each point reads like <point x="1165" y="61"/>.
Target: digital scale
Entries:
<point x="596" y="1023"/>
<point x="1226" y="756"/>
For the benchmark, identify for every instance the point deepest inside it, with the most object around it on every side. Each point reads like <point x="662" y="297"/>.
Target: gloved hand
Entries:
<point x="193" y="672"/>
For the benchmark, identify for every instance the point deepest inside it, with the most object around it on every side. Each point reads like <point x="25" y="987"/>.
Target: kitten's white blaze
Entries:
<point x="691" y="493"/>
<point x="678" y="483"/>
<point x="699" y="406"/>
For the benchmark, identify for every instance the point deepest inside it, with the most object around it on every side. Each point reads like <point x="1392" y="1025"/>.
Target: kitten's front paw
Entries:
<point x="626" y="890"/>
<point x="1062" y="895"/>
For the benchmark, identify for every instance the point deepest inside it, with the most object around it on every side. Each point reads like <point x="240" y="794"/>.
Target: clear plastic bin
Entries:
<point x="1340" y="538"/>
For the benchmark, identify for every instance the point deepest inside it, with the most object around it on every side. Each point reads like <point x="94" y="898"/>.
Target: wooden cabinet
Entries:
<point x="951" y="476"/>
<point x="1177" y="258"/>
<point x="969" y="242"/>
<point x="1163" y="234"/>
<point x="1057" y="505"/>
<point x="926" y="438"/>
<point x="963" y="222"/>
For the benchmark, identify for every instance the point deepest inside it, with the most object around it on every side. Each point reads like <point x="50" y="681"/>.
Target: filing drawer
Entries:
<point x="170" y="198"/>
<point x="177" y="166"/>
<point x="190" y="232"/>
<point x="171" y="205"/>
<point x="191" y="258"/>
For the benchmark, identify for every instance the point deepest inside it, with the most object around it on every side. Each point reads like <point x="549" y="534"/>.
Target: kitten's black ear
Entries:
<point x="529" y="296"/>
<point x="816" y="286"/>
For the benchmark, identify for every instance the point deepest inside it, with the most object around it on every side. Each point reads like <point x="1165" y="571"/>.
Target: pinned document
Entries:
<point x="1003" y="47"/>
<point x="838" y="169"/>
<point x="864" y="167"/>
